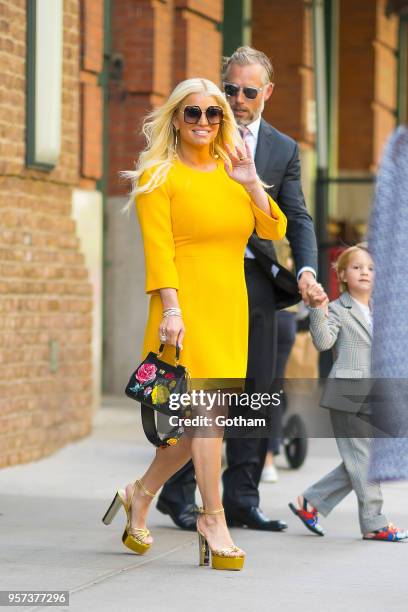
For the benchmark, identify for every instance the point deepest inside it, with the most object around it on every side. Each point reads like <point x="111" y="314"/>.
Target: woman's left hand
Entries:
<point x="172" y="331"/>
<point x="242" y="169"/>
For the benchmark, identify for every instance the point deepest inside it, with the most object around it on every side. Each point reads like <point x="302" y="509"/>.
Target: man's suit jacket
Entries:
<point x="277" y="163"/>
<point x="346" y="331"/>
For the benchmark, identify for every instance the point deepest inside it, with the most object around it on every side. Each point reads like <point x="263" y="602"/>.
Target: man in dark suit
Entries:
<point x="248" y="84"/>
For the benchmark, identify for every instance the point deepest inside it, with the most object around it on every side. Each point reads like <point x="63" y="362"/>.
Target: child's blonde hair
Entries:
<point x="340" y="265"/>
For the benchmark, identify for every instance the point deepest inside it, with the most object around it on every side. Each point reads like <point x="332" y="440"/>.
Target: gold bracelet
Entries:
<point x="172" y="311"/>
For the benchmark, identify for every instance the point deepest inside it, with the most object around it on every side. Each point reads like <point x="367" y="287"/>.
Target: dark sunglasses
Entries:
<point x="214" y="114"/>
<point x="233" y="90"/>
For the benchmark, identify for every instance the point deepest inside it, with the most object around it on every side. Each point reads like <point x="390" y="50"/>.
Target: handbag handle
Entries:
<point x="161" y="349"/>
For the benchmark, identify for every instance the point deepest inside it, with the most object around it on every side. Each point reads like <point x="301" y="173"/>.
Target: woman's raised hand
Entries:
<point x="242" y="169"/>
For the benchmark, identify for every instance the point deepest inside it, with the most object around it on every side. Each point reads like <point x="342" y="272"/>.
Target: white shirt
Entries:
<point x="252" y="139"/>
<point x="366" y="310"/>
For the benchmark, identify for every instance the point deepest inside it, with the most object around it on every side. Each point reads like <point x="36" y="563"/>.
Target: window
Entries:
<point x="402" y="100"/>
<point x="44" y="79"/>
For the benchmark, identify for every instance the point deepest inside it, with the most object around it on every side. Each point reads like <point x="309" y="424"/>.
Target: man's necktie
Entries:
<point x="245" y="133"/>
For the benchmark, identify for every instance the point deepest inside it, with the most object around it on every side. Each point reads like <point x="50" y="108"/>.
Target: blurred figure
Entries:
<point x="347" y="329"/>
<point x="388" y="244"/>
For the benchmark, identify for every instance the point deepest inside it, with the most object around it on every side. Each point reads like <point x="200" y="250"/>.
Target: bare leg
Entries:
<point x="269" y="458"/>
<point x="166" y="462"/>
<point x="206" y="453"/>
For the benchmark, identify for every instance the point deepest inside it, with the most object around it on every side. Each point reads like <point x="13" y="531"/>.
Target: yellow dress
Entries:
<point x="195" y="227"/>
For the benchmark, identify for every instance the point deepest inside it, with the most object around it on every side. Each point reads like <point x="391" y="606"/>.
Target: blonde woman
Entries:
<point x="198" y="199"/>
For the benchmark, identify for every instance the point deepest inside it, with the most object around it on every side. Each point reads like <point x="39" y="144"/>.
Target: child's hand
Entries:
<point x="317" y="297"/>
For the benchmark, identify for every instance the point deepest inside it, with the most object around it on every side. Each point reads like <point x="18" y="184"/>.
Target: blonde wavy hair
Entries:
<point x="160" y="133"/>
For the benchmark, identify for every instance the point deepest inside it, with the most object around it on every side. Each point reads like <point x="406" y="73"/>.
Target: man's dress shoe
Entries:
<point x="253" y="518"/>
<point x="183" y="515"/>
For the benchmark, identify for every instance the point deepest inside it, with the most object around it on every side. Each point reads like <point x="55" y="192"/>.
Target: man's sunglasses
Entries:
<point x="233" y="90"/>
<point x="214" y="114"/>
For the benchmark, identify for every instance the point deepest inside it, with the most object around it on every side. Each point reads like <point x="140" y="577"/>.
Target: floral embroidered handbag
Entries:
<point x="158" y="386"/>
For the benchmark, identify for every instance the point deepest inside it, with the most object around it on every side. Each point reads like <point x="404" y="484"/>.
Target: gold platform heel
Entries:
<point x="203" y="550"/>
<point x="220" y="559"/>
<point x="133" y="537"/>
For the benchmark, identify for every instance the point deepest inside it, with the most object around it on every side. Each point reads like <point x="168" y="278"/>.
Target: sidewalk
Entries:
<point x="52" y="537"/>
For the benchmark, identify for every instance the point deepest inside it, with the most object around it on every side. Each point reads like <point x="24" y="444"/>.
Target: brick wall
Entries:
<point x="367" y="82"/>
<point x="45" y="296"/>
<point x="285" y="36"/>
<point x="137" y="55"/>
<point x="155" y="45"/>
<point x="198" y="44"/>
<point x="385" y="79"/>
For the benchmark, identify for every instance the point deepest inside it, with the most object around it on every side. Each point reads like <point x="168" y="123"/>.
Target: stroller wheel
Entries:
<point x="295" y="441"/>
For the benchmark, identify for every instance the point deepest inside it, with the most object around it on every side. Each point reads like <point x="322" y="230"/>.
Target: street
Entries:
<point x="52" y="537"/>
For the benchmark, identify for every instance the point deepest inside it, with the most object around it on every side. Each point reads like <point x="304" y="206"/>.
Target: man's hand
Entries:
<point x="317" y="298"/>
<point x="306" y="280"/>
<point x="312" y="292"/>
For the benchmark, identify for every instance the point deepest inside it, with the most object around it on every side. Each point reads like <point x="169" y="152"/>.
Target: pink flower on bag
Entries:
<point x="146" y="373"/>
<point x="169" y="375"/>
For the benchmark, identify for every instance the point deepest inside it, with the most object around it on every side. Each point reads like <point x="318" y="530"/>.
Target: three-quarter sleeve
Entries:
<point x="154" y="214"/>
<point x="270" y="228"/>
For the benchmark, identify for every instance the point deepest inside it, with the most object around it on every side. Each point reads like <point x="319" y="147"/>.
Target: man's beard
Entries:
<point x="251" y="117"/>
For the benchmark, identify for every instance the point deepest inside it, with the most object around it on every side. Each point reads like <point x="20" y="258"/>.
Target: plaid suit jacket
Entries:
<point x="346" y="331"/>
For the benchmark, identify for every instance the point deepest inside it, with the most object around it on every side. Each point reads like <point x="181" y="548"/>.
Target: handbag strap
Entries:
<point x="150" y="429"/>
<point x="149" y="426"/>
<point x="161" y="349"/>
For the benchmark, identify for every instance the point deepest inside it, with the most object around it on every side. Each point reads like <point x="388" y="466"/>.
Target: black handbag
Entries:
<point x="158" y="386"/>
